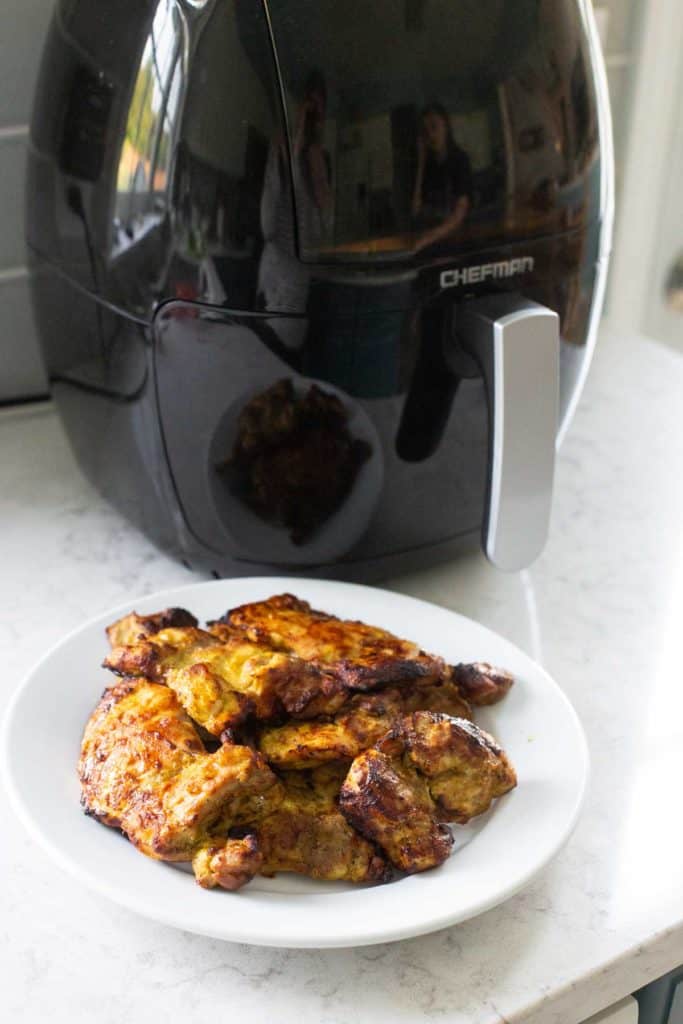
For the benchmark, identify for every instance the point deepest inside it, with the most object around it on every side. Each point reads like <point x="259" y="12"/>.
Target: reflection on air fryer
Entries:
<point x="433" y="124"/>
<point x="225" y="194"/>
<point x="294" y="461"/>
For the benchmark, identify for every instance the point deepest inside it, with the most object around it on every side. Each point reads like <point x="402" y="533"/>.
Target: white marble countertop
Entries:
<point x="603" y="609"/>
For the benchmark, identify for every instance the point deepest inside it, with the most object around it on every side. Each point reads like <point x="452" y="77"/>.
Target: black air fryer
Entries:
<point x="317" y="282"/>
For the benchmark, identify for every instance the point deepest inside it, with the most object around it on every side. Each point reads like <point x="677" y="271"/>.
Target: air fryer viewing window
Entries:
<point x="417" y="125"/>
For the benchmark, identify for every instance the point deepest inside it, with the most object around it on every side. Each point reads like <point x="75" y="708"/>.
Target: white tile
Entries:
<point x="22" y="374"/>
<point x="12" y="175"/>
<point x="23" y="26"/>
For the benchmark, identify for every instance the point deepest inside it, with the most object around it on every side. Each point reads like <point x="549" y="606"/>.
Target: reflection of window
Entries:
<point x="144" y="162"/>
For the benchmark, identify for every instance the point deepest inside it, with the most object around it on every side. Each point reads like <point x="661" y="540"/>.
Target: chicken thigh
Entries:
<point x="361" y="657"/>
<point x="307" y="833"/>
<point x="428" y="769"/>
<point x="143" y="769"/>
<point x="221" y="682"/>
<point x="363" y="719"/>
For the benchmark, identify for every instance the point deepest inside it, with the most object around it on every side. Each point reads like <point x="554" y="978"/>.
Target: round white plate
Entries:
<point x="493" y="858"/>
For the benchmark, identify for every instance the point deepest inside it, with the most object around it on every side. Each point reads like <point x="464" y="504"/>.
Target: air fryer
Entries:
<point x="317" y="283"/>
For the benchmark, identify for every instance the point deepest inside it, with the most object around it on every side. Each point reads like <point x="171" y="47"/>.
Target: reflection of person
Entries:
<point x="443" y="184"/>
<point x="283" y="279"/>
<point x="312" y="164"/>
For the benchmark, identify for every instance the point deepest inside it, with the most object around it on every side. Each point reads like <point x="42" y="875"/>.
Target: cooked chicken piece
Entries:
<point x="308" y="835"/>
<point x="377" y="745"/>
<point x="300" y="745"/>
<point x="363" y="720"/>
<point x="361" y="657"/>
<point x="325" y="781"/>
<point x="359" y="725"/>
<point x="132" y="627"/>
<point x="389" y="803"/>
<point x="185" y="660"/>
<point x="463" y="767"/>
<point x="320" y="785"/>
<point x="443" y="696"/>
<point x="143" y="769"/>
<point x="228" y="863"/>
<point x="428" y="769"/>
<point x="222" y="682"/>
<point x="481" y="683"/>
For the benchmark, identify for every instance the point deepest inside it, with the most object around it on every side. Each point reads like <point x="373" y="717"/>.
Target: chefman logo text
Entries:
<point x="486" y="271"/>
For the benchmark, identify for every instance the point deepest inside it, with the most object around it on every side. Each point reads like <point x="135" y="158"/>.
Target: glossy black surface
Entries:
<point x="150" y="138"/>
<point x="410" y="392"/>
<point x="399" y="112"/>
<point x="159" y="166"/>
<point x="100" y="370"/>
<point x="199" y="351"/>
<point x="223" y="196"/>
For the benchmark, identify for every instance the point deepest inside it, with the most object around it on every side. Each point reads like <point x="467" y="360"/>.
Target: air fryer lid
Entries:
<point x="511" y="80"/>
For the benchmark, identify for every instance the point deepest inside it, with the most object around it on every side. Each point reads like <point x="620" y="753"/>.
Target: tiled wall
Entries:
<point x="22" y="28"/>
<point x="23" y="25"/>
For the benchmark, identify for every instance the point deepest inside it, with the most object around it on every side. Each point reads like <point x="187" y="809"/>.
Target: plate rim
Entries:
<point x="387" y="933"/>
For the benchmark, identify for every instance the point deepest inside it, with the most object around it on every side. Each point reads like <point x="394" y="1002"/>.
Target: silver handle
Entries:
<point x="517" y="345"/>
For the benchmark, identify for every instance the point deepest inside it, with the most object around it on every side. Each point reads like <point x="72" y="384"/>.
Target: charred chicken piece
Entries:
<point x="227" y="863"/>
<point x="132" y="627"/>
<point x="222" y="681"/>
<point x="442" y="696"/>
<point x="143" y="769"/>
<point x="463" y="767"/>
<point x="387" y="801"/>
<point x="359" y="656"/>
<point x="481" y="683"/>
<point x="362" y="721"/>
<point x="307" y="833"/>
<point x="301" y="745"/>
<point x="430" y="768"/>
<point x="375" y="755"/>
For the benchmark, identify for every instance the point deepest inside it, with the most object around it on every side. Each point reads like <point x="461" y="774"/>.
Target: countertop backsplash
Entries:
<point x="23" y="24"/>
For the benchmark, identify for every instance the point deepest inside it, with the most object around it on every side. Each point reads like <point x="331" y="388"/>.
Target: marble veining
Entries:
<point x="604" y="605"/>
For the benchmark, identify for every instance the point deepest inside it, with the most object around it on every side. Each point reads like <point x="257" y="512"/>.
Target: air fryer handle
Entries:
<point x="517" y="345"/>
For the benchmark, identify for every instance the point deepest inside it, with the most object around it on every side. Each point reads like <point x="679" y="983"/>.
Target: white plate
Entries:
<point x="493" y="858"/>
